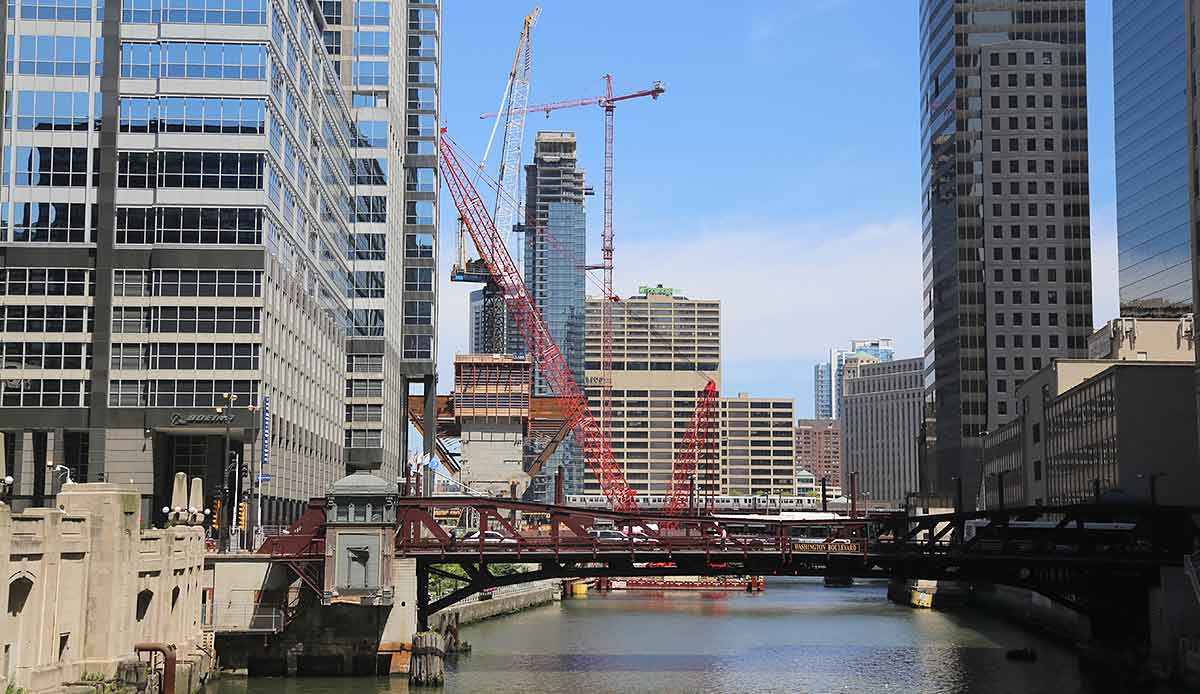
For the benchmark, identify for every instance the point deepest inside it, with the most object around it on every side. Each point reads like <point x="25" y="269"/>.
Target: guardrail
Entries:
<point x="248" y="619"/>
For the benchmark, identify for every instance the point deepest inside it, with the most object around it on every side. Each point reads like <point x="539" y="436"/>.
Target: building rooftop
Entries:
<point x="362" y="483"/>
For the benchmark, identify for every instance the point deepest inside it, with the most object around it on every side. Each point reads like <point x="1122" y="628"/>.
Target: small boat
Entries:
<point x="1023" y="654"/>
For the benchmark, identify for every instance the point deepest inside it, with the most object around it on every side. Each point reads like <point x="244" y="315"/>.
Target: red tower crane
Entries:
<point x="542" y="348"/>
<point x="607" y="102"/>
<point x="699" y="444"/>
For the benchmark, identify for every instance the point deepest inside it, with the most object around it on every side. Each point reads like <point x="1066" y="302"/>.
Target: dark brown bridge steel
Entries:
<point x="1100" y="559"/>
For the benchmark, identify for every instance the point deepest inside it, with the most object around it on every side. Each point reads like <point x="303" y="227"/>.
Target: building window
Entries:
<point x="418" y="347"/>
<point x="418" y="279"/>
<point x="418" y="313"/>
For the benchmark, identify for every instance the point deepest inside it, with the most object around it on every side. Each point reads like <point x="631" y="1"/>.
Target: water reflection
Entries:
<point x="798" y="636"/>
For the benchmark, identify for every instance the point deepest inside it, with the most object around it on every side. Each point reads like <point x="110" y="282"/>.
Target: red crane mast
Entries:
<point x="542" y="348"/>
<point x="607" y="102"/>
<point x="699" y="444"/>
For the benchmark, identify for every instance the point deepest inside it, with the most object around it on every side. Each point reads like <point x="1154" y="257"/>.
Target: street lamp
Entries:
<point x="1153" y="479"/>
<point x="231" y="515"/>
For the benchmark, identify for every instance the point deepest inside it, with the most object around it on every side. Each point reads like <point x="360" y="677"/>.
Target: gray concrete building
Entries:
<point x="387" y="59"/>
<point x="882" y="404"/>
<point x="1144" y="339"/>
<point x="142" y="330"/>
<point x="1094" y="426"/>
<point x="1006" y="231"/>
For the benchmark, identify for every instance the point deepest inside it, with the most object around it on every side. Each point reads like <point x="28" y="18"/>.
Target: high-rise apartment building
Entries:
<point x="386" y="57"/>
<point x="758" y="448"/>
<point x="555" y="255"/>
<point x="827" y="377"/>
<point x="819" y="450"/>
<point x="882" y="348"/>
<point x="1006" y="233"/>
<point x="666" y="347"/>
<point x="822" y="391"/>
<point x="191" y="258"/>
<point x="1151" y="124"/>
<point x="882" y="404"/>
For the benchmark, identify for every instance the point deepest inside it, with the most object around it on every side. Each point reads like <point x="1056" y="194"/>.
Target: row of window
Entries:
<point x="51" y="110"/>
<point x="179" y="393"/>
<point x="188" y="114"/>
<point x="240" y="12"/>
<point x="193" y="59"/>
<point x="187" y="283"/>
<point x="206" y="225"/>
<point x="47" y="319"/>
<point x="45" y="222"/>
<point x="186" y="356"/>
<point x="45" y="393"/>
<point x="45" y="355"/>
<point x="364" y="438"/>
<point x="20" y="281"/>
<point x="211" y="170"/>
<point x="242" y="320"/>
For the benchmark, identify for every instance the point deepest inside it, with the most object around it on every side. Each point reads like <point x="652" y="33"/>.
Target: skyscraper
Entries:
<point x="1006" y="233"/>
<point x="1150" y="110"/>
<point x="666" y="347"/>
<point x="822" y="391"/>
<point x="827" y="377"/>
<point x="395" y="196"/>
<point x="188" y="245"/>
<point x="555" y="255"/>
<point x="881" y="411"/>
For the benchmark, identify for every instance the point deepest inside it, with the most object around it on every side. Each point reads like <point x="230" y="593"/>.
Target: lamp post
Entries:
<point x="854" y="494"/>
<point x="230" y="500"/>
<point x="1153" y="479"/>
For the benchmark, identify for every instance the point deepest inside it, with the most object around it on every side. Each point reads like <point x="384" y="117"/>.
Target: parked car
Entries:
<point x="490" y="537"/>
<point x="602" y="535"/>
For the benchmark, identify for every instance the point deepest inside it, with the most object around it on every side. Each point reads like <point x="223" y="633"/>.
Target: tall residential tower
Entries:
<point x="1006" y="232"/>
<point x="555" y="255"/>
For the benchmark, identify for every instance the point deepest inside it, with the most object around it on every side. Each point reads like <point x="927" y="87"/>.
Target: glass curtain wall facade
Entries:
<point x="176" y="280"/>
<point x="1150" y="109"/>
<point x="555" y="250"/>
<point x="387" y="58"/>
<point x="1005" y="217"/>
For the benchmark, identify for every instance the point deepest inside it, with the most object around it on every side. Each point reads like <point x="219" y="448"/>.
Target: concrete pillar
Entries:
<point x="401" y="621"/>
<point x="7" y="633"/>
<point x="114" y="526"/>
<point x="430" y="420"/>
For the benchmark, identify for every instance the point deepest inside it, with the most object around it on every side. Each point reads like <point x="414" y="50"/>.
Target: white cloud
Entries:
<point x="791" y="291"/>
<point x="788" y="292"/>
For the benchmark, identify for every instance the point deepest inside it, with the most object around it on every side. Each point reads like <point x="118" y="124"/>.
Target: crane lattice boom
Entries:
<point x="699" y="443"/>
<point x="542" y="348"/>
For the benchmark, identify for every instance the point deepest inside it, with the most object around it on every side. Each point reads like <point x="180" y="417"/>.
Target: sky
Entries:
<point x="779" y="173"/>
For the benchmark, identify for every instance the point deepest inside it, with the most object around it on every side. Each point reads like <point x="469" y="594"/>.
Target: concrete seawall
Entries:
<point x="499" y="605"/>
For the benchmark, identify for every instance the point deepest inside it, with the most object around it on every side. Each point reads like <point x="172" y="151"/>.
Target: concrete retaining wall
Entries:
<point x="83" y="583"/>
<point x="500" y="605"/>
<point x="1033" y="609"/>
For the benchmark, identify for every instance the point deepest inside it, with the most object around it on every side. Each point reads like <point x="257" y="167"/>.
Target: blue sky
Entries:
<point x="780" y="173"/>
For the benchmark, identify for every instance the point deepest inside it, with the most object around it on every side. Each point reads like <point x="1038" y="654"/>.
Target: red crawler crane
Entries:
<point x="698" y="444"/>
<point x="607" y="102"/>
<point x="542" y="348"/>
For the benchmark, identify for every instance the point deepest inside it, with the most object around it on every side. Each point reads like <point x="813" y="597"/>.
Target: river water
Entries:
<point x="797" y="636"/>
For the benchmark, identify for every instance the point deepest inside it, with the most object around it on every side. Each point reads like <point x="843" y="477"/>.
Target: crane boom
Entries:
<point x="507" y="198"/>
<point x="697" y="443"/>
<point x="542" y="348"/>
<point x="607" y="102"/>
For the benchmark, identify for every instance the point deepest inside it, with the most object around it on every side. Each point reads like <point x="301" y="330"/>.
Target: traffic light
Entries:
<point x="241" y="519"/>
<point x="216" y="514"/>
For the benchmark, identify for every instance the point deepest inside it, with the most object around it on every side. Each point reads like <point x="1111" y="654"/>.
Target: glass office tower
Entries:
<point x="1150" y="109"/>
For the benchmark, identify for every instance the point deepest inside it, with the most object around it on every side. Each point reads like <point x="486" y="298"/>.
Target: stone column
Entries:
<point x="114" y="522"/>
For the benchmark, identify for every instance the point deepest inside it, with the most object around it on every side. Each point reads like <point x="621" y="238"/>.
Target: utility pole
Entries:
<point x="853" y="494"/>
